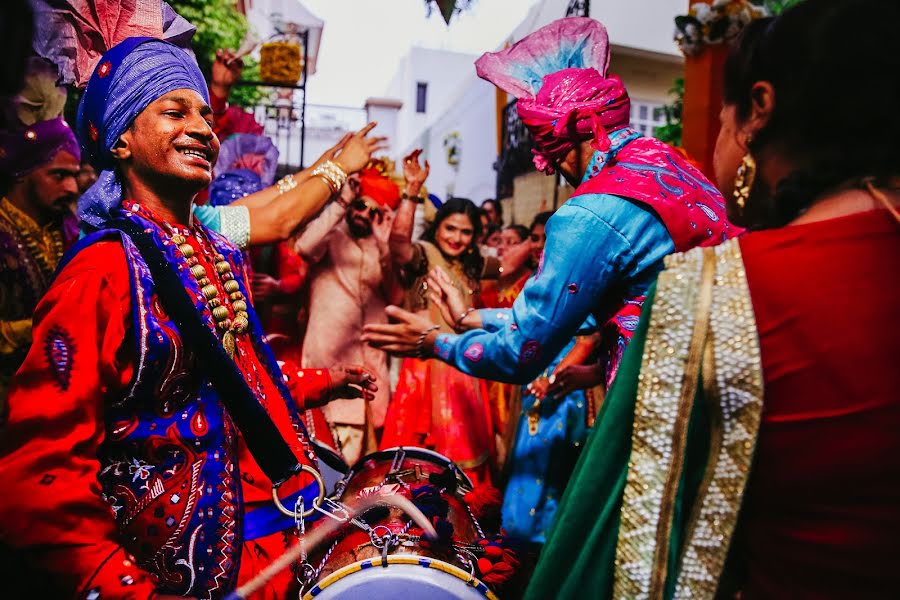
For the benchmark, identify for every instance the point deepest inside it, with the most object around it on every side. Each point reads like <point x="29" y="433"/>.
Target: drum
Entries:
<point x="380" y="554"/>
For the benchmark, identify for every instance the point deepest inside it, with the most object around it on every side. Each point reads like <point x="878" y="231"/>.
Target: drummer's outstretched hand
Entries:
<point x="408" y="334"/>
<point x="351" y="381"/>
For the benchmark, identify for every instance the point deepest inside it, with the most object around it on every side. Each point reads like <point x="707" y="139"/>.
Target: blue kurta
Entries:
<point x="540" y="463"/>
<point x="597" y="245"/>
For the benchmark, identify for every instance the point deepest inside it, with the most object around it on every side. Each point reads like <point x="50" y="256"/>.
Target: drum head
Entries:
<point x="405" y="576"/>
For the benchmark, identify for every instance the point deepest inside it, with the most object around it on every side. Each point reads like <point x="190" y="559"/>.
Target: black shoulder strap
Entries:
<point x="260" y="434"/>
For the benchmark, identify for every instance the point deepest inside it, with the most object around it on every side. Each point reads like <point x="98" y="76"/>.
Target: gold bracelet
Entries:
<point x="286" y="184"/>
<point x="332" y="174"/>
<point x="328" y="182"/>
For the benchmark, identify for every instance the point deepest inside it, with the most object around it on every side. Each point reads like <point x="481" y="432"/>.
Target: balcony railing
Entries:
<point x="282" y="113"/>
<point x="515" y="152"/>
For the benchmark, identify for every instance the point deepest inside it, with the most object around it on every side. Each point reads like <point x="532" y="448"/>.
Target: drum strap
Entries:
<point x="264" y="441"/>
<point x="266" y="519"/>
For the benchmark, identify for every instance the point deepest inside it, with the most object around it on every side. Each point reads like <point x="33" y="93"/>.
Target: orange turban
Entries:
<point x="374" y="184"/>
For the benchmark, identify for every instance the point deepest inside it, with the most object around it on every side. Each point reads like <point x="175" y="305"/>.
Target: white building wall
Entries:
<point x="384" y="111"/>
<point x="471" y="114"/>
<point x="326" y="125"/>
<point x="443" y="71"/>
<point x="646" y="25"/>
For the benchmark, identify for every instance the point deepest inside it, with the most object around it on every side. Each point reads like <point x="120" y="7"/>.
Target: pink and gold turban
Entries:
<point x="559" y="76"/>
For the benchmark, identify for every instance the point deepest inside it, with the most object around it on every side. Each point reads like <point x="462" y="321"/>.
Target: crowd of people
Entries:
<point x="676" y="390"/>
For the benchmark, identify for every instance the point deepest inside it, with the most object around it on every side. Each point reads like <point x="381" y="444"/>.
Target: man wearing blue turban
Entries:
<point x="150" y="423"/>
<point x="276" y="212"/>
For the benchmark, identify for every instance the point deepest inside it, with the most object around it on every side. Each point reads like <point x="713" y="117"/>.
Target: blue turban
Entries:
<point x="232" y="185"/>
<point x="130" y="76"/>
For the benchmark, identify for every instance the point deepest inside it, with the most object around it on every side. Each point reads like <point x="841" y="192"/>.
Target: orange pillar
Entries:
<point x="702" y="103"/>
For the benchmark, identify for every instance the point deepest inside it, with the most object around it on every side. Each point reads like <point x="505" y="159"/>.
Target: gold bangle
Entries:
<point x="328" y="182"/>
<point x="286" y="184"/>
<point x="333" y="175"/>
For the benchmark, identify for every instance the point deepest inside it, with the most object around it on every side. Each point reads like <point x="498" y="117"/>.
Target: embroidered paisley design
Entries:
<point x="474" y="352"/>
<point x="531" y="352"/>
<point x="60" y="352"/>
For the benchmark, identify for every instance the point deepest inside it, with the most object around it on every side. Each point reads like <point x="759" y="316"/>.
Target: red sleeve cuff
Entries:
<point x="316" y="383"/>
<point x="306" y="385"/>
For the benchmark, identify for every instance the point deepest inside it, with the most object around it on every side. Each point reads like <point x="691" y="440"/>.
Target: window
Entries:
<point x="421" y="94"/>
<point x="646" y="116"/>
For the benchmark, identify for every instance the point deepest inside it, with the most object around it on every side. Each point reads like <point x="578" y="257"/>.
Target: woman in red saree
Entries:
<point x="749" y="445"/>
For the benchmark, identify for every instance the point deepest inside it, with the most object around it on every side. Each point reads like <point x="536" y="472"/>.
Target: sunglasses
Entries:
<point x="361" y="205"/>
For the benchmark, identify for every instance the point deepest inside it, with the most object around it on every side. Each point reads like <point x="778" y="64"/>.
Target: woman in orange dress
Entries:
<point x="434" y="405"/>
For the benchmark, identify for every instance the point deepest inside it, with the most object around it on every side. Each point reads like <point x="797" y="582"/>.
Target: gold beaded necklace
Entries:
<point x="214" y="301"/>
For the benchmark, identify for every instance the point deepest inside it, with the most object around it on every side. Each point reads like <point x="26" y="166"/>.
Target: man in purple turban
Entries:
<point x="38" y="165"/>
<point x="150" y="425"/>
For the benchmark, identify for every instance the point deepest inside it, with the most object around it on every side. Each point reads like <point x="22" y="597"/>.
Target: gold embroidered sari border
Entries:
<point x="660" y="424"/>
<point x="679" y="437"/>
<point x="710" y="329"/>
<point x="739" y="402"/>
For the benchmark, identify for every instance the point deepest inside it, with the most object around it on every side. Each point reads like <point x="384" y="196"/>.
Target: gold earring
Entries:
<point x="743" y="180"/>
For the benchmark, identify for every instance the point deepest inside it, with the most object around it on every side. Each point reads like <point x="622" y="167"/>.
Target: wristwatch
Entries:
<point x="416" y="199"/>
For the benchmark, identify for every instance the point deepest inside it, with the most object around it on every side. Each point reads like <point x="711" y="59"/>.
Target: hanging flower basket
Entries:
<point x="281" y="62"/>
<point x="716" y="23"/>
<point x="453" y="148"/>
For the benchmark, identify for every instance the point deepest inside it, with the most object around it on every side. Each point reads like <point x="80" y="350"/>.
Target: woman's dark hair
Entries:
<point x="498" y="208"/>
<point x="523" y="232"/>
<point x="471" y="258"/>
<point x="540" y="219"/>
<point x="834" y="65"/>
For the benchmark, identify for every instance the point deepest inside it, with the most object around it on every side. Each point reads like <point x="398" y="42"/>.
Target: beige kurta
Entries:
<point x="345" y="293"/>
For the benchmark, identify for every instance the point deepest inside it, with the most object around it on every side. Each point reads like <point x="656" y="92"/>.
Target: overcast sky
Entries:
<point x="364" y="39"/>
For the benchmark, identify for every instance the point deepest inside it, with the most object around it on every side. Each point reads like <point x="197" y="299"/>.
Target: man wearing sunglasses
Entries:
<point x="347" y="250"/>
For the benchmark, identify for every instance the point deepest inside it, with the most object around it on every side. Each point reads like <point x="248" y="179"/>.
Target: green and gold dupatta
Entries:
<point x="652" y="505"/>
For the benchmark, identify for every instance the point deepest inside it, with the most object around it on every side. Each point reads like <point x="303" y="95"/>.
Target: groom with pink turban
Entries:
<point x="636" y="201"/>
